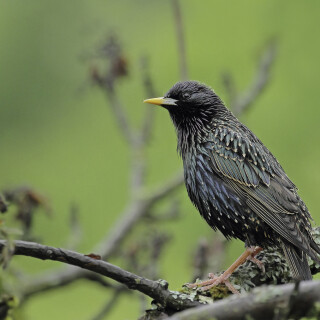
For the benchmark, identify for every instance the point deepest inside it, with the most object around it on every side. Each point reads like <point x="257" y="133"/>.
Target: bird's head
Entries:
<point x="191" y="105"/>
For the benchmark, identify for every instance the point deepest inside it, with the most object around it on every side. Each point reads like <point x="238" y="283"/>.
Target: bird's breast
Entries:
<point x="220" y="207"/>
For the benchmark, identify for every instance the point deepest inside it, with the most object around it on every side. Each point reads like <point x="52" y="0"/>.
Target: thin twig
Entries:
<point x="243" y="101"/>
<point x="165" y="189"/>
<point x="134" y="212"/>
<point x="180" y="39"/>
<point x="148" y="120"/>
<point x="118" y="68"/>
<point x="108" y="306"/>
<point x="76" y="232"/>
<point x="169" y="214"/>
<point x="51" y="280"/>
<point x="230" y="87"/>
<point x="121" y="117"/>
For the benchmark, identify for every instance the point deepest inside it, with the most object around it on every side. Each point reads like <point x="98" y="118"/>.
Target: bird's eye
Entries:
<point x="186" y="95"/>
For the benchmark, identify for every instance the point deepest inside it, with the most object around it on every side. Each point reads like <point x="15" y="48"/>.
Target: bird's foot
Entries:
<point x="254" y="251"/>
<point x="223" y="279"/>
<point x="214" y="281"/>
<point x="259" y="263"/>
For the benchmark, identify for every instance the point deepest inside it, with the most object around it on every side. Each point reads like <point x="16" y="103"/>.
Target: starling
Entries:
<point x="235" y="182"/>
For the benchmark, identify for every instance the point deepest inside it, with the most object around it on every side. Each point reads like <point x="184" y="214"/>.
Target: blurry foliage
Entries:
<point x="25" y="201"/>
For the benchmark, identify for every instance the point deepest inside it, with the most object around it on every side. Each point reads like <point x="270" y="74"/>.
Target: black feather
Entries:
<point x="298" y="262"/>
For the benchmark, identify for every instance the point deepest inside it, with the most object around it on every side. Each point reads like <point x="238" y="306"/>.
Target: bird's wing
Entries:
<point x="252" y="172"/>
<point x="241" y="157"/>
<point x="292" y="226"/>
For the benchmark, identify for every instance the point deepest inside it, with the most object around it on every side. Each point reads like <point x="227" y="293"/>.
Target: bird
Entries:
<point x="236" y="183"/>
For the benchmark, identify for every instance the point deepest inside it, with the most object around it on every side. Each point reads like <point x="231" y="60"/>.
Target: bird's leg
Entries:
<point x="215" y="280"/>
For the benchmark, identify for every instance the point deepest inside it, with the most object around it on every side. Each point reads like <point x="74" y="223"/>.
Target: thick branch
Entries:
<point x="262" y="303"/>
<point x="154" y="289"/>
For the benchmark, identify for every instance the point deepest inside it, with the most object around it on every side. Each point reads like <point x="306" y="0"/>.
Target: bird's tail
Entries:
<point x="298" y="262"/>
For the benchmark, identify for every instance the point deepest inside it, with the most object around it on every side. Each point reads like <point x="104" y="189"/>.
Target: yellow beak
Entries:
<point x="161" y="101"/>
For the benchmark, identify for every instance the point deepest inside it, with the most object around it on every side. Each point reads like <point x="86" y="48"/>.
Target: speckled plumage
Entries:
<point x="235" y="182"/>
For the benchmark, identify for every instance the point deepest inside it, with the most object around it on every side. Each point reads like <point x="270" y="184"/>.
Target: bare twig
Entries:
<point x="134" y="212"/>
<point x="150" y="92"/>
<point x="263" y="304"/>
<point x="229" y="85"/>
<point x="209" y="257"/>
<point x="180" y="39"/>
<point x="158" y="243"/>
<point x="200" y="259"/>
<point x="138" y="167"/>
<point x="143" y="257"/>
<point x="75" y="229"/>
<point x="121" y="117"/>
<point x="243" y="101"/>
<point x="112" y="52"/>
<point x="169" y="214"/>
<point x="26" y="201"/>
<point x="108" y="306"/>
<point x="154" y="289"/>
<point x="51" y="280"/>
<point x="165" y="189"/>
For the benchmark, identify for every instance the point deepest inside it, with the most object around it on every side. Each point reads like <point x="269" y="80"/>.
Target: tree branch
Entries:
<point x="180" y="40"/>
<point x="108" y="246"/>
<point x="148" y="120"/>
<point x="121" y="117"/>
<point x="243" y="101"/>
<point x="118" y="68"/>
<point x="52" y="280"/>
<point x="108" y="306"/>
<point x="165" y="189"/>
<point x="154" y="289"/>
<point x="262" y="303"/>
<point x="176" y="301"/>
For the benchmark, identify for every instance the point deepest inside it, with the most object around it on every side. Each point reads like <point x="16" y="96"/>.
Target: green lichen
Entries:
<point x="216" y="293"/>
<point x="219" y="292"/>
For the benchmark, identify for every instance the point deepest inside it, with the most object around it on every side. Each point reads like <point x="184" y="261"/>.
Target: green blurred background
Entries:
<point x="57" y="134"/>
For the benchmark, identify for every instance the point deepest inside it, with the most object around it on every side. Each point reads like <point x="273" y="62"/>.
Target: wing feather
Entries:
<point x="253" y="173"/>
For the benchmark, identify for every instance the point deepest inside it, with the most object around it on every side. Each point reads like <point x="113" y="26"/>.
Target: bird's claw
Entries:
<point x="259" y="263"/>
<point x="214" y="281"/>
<point x="253" y="259"/>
